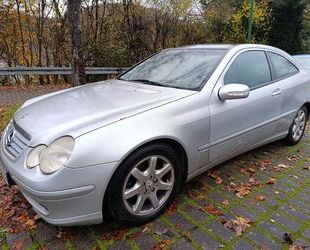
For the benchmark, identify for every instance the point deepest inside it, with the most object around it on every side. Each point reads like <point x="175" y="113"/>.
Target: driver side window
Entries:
<point x="250" y="68"/>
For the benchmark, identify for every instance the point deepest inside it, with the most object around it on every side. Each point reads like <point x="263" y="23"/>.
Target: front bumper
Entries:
<point x="71" y="196"/>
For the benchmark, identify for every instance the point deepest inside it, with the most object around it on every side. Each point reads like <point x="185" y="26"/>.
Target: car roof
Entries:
<point x="208" y="46"/>
<point x="304" y="55"/>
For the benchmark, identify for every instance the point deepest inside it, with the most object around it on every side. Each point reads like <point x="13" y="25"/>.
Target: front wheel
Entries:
<point x="144" y="184"/>
<point x="298" y="127"/>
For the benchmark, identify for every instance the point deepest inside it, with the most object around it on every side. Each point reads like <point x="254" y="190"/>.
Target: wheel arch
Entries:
<point x="307" y="105"/>
<point x="175" y="144"/>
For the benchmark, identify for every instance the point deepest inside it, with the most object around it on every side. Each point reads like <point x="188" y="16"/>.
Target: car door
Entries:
<point x="237" y="125"/>
<point x="292" y="88"/>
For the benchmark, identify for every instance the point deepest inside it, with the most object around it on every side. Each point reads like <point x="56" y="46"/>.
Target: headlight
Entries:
<point x="33" y="159"/>
<point x="56" y="155"/>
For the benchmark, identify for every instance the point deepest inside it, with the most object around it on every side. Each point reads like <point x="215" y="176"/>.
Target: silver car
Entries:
<point x="304" y="60"/>
<point x="122" y="148"/>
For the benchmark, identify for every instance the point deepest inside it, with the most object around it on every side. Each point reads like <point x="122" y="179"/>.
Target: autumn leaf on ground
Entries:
<point x="260" y="198"/>
<point x="264" y="164"/>
<point x="66" y="234"/>
<point x="163" y="244"/>
<point x="225" y="202"/>
<point x="115" y="235"/>
<point x="171" y="209"/>
<point x="18" y="245"/>
<point x="297" y="247"/>
<point x="242" y="191"/>
<point x="216" y="176"/>
<point x="218" y="180"/>
<point x="239" y="225"/>
<point x="211" y="209"/>
<point x="281" y="167"/>
<point x="247" y="171"/>
<point x="306" y="168"/>
<point x="271" y="181"/>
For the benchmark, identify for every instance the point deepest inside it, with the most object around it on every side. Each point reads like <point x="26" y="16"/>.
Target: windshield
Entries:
<point x="186" y="69"/>
<point x="303" y="60"/>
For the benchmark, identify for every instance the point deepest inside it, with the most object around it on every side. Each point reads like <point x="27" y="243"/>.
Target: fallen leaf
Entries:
<point x="18" y="244"/>
<point x="306" y="168"/>
<point x="171" y="209"/>
<point x="163" y="244"/>
<point x="260" y="198"/>
<point x="242" y="191"/>
<point x="272" y="220"/>
<point x="271" y="181"/>
<point x="225" y="202"/>
<point x="211" y="209"/>
<point x="218" y="180"/>
<point x="239" y="225"/>
<point x="297" y="247"/>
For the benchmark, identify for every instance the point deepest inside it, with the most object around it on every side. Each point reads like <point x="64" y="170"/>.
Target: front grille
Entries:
<point x="16" y="140"/>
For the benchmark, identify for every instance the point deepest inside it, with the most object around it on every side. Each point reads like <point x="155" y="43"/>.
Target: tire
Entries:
<point x="298" y="127"/>
<point x="127" y="180"/>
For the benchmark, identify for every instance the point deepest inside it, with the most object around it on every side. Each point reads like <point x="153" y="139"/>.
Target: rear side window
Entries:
<point x="282" y="66"/>
<point x="250" y="68"/>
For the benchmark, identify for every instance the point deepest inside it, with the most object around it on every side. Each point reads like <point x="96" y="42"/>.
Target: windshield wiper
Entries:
<point x="149" y="82"/>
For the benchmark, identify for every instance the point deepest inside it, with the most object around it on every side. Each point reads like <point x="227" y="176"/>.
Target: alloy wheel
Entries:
<point x="148" y="185"/>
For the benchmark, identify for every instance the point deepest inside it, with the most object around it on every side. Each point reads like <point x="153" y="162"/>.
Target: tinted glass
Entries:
<point x="283" y="67"/>
<point x="185" y="69"/>
<point x="250" y="68"/>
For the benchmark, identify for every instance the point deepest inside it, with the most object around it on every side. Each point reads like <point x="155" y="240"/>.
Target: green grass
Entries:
<point x="6" y="113"/>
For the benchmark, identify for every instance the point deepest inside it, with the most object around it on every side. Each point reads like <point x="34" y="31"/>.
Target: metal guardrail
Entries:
<point x="57" y="71"/>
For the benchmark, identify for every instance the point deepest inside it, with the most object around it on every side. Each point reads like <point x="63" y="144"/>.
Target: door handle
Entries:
<point x="277" y="92"/>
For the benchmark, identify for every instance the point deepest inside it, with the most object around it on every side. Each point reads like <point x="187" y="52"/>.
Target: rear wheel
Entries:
<point x="298" y="127"/>
<point x="144" y="184"/>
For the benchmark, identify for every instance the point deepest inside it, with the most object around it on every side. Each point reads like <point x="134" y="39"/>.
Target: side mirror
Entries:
<point x="233" y="91"/>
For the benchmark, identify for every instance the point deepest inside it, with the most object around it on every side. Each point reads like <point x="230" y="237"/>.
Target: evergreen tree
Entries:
<point x="286" y="26"/>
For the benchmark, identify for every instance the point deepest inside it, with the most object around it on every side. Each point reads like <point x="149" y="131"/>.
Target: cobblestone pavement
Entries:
<point x="262" y="195"/>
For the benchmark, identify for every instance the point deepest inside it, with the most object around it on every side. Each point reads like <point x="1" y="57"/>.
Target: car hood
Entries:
<point x="90" y="107"/>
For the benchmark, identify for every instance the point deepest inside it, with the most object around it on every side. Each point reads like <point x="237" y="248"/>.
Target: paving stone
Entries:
<point x="300" y="204"/>
<point x="306" y="233"/>
<point x="292" y="211"/>
<point x="220" y="230"/>
<point x="259" y="207"/>
<point x="262" y="241"/>
<point x="274" y="230"/>
<point x="162" y="230"/>
<point x="301" y="242"/>
<point x="243" y="245"/>
<point x="271" y="201"/>
<point x="204" y="240"/>
<point x="180" y="222"/>
<point x="195" y="213"/>
<point x="304" y="196"/>
<point x="23" y="237"/>
<point x="241" y="211"/>
<point x="45" y="232"/>
<point x="82" y="239"/>
<point x="118" y="245"/>
<point x="288" y="223"/>
<point x="56" y="244"/>
<point x="145" y="241"/>
<point x="182" y="245"/>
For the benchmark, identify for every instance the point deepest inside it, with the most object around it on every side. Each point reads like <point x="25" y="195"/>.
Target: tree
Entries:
<point x="78" y="64"/>
<point x="286" y="27"/>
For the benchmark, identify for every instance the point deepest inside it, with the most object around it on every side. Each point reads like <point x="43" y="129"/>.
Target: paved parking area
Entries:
<point x="260" y="200"/>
